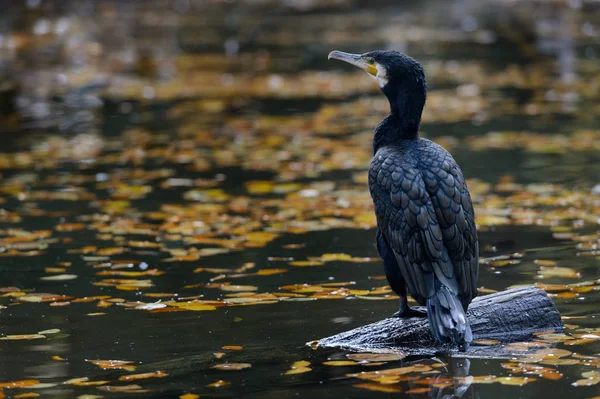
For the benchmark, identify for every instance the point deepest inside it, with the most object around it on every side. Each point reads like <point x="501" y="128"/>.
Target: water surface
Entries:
<point x="172" y="174"/>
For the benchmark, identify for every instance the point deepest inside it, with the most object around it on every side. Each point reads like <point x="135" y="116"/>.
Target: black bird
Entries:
<point x="426" y="226"/>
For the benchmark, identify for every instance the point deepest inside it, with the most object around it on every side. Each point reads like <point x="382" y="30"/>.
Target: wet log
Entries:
<point x="507" y="316"/>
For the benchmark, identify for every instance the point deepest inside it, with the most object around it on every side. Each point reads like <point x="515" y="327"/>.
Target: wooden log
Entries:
<point x="507" y="316"/>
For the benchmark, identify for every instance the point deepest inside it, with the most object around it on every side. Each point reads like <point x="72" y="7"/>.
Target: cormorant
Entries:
<point x="425" y="221"/>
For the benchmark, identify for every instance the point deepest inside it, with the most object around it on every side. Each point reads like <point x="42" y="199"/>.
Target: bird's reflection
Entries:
<point x="454" y="381"/>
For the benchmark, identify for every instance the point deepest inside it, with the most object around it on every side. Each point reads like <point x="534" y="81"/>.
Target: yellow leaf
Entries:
<point x="231" y="366"/>
<point x="338" y="257"/>
<point x="268" y="272"/>
<point x="194" y="306"/>
<point x="232" y="347"/>
<point x="305" y="263"/>
<point x="299" y="367"/>
<point x="259" y="186"/>
<point x="340" y="363"/>
<point x="261" y="236"/>
<point x="298" y="370"/>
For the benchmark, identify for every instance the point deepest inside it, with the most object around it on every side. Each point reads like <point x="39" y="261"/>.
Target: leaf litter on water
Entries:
<point x="282" y="206"/>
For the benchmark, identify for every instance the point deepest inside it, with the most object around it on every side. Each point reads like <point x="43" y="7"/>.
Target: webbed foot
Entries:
<point x="407" y="312"/>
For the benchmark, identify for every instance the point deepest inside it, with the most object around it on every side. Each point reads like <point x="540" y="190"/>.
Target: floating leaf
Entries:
<point x="376" y="357"/>
<point x="299" y="367"/>
<point x="546" y="263"/>
<point x="551" y="375"/>
<point x="113" y="364"/>
<point x="238" y="288"/>
<point x="563" y="272"/>
<point x="143" y="376"/>
<point x="340" y="363"/>
<point x="306" y="263"/>
<point x="66" y="227"/>
<point x="48" y="332"/>
<point x="18" y="384"/>
<point x="22" y="337"/>
<point x="581" y="341"/>
<point x="151" y="306"/>
<point x="90" y="383"/>
<point x="194" y="306"/>
<point x="587" y="382"/>
<point x="232" y="347"/>
<point x="550" y="353"/>
<point x="231" y="366"/>
<point x="259" y="187"/>
<point x="269" y="272"/>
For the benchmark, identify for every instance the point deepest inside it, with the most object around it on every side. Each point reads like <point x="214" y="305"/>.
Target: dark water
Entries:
<point x="223" y="94"/>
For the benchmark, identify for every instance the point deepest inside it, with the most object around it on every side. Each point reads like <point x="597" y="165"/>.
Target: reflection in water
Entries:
<point x="457" y="371"/>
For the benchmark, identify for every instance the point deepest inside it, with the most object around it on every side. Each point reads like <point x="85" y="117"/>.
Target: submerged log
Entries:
<point x="507" y="316"/>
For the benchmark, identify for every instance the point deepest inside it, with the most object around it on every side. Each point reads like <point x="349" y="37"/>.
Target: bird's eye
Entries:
<point x="371" y="60"/>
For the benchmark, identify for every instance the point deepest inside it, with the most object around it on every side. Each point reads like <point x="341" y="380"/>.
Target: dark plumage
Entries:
<point x="426" y="228"/>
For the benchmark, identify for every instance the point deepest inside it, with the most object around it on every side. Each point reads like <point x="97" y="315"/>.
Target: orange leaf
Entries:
<point x="143" y="376"/>
<point x="18" y="384"/>
<point x="232" y="347"/>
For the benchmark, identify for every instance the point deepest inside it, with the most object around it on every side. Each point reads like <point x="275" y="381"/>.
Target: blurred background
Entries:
<point x="210" y="150"/>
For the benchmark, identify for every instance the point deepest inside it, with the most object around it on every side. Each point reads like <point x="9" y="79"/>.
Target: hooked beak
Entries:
<point x="353" y="59"/>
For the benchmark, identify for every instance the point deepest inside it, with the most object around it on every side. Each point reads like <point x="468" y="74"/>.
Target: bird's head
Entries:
<point x="400" y="77"/>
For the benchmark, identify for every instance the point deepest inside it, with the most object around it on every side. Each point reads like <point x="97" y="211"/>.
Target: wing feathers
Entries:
<point x="425" y="213"/>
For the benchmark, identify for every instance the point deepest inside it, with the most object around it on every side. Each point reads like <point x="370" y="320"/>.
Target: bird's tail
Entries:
<point x="447" y="318"/>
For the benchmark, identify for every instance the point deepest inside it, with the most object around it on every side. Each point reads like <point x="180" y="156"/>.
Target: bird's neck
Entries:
<point x="403" y="121"/>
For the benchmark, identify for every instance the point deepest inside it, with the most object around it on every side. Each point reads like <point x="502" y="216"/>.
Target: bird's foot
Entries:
<point x="408" y="312"/>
